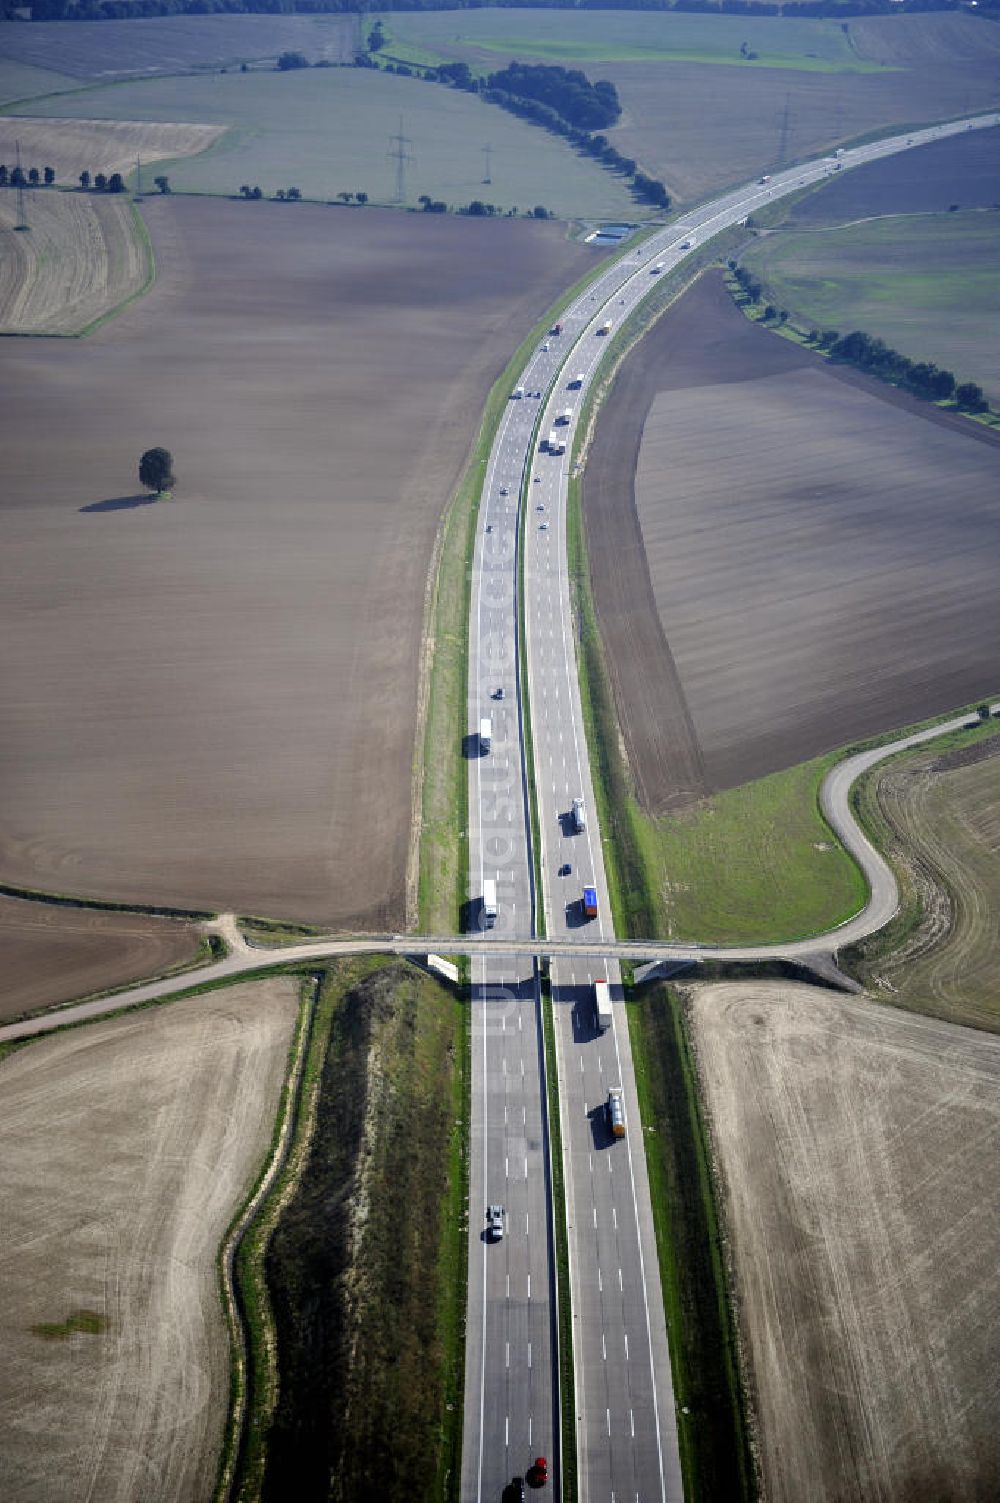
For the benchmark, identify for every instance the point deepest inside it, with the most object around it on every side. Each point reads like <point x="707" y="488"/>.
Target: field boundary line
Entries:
<point x="233" y="1296"/>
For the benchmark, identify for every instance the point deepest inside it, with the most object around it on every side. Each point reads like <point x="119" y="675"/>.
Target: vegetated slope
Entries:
<point x="128" y="1146"/>
<point x="928" y="285"/>
<point x="22" y="81"/>
<point x="856" y="1147"/>
<point x="50" y="954"/>
<point x="71" y="146"/>
<point x="174" y="44"/>
<point x="940" y="815"/>
<point x="211" y="702"/>
<point x="811" y="586"/>
<point x="355" y="1266"/>
<point x="699" y="126"/>
<point x="82" y="257"/>
<point x="328" y="131"/>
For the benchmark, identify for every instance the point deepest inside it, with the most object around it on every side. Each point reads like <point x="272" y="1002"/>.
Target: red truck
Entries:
<point x="556" y="329"/>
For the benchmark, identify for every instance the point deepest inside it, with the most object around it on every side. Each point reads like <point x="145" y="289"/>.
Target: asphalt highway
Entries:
<point x="626" y="1433"/>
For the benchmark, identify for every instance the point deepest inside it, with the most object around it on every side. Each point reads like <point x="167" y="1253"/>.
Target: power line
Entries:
<point x="399" y="154"/>
<point x="783" y="133"/>
<point x="22" y="216"/>
<point x="488" y="154"/>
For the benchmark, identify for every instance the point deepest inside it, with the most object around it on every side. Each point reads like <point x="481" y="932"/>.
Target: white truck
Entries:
<point x="575" y="382"/>
<point x="616" y="1112"/>
<point x="602" y="1005"/>
<point x="578" y="814"/>
<point x="605" y="327"/>
<point x="566" y="416"/>
<point x="485" y="735"/>
<point x="517" y="394"/>
<point x="489" y="902"/>
<point x="556" y="444"/>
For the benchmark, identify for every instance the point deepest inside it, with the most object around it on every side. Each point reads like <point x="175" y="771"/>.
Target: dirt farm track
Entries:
<point x="858" y="1147"/>
<point x="210" y="702"/>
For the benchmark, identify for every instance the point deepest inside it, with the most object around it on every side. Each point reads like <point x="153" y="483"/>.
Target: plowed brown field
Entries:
<point x="211" y="702"/>
<point x="51" y="954"/>
<point x="128" y="1146"/>
<point x="819" y="550"/>
<point x="858" y="1149"/>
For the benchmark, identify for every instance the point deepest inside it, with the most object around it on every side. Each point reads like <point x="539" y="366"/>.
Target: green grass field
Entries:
<point x="755" y="863"/>
<point x="632" y="37"/>
<point x="928" y="284"/>
<point x="327" y="131"/>
<point x="20" y="81"/>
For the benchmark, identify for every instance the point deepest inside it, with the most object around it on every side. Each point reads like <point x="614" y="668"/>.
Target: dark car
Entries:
<point x="566" y="870"/>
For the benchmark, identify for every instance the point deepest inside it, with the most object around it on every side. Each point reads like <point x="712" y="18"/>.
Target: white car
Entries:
<point x="494" y="1223"/>
<point x="544" y="527"/>
<point x="545" y="348"/>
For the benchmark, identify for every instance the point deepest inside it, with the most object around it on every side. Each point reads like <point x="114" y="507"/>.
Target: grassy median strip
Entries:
<point x="711" y="1424"/>
<point x="567" y="1390"/>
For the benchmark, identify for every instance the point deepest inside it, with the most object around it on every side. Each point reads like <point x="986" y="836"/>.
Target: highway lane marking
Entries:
<point x="604" y="1347"/>
<point x="626" y="1346"/>
<point x="529" y="1353"/>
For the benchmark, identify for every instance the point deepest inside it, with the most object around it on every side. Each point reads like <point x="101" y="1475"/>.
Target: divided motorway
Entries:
<point x="625" y="1419"/>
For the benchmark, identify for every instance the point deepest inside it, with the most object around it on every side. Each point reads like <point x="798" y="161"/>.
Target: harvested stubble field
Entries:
<point x="939" y="815"/>
<point x="211" y="701"/>
<point x="84" y="255"/>
<point x="817" y="549"/>
<point x="70" y="145"/>
<point x="174" y="44"/>
<point x="857" y="1151"/>
<point x="326" y="131"/>
<point x="703" y="118"/>
<point x="52" y="954"/>
<point x="128" y="1146"/>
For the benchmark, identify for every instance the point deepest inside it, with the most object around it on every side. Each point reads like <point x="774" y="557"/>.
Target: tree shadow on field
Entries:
<point x="122" y="503"/>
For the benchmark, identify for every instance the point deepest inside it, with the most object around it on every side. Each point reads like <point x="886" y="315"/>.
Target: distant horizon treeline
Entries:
<point x="126" y="10"/>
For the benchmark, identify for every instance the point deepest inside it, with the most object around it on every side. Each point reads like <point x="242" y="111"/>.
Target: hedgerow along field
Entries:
<point x="131" y="1143"/>
<point x="907" y="250"/>
<point x="212" y="700"/>
<point x="327" y="131"/>
<point x="856" y="1148"/>
<point x="702" y="116"/>
<point x="938" y="815"/>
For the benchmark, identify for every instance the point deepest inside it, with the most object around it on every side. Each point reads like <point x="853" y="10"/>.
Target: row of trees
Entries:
<point x="873" y="356"/>
<point x="17" y="177"/>
<point x="921" y="377"/>
<point x="558" y="99"/>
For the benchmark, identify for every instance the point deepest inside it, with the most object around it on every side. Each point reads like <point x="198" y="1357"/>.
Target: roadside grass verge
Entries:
<point x="567" y="1388"/>
<point x="441" y="772"/>
<point x="360" y="1251"/>
<point x="711" y="1419"/>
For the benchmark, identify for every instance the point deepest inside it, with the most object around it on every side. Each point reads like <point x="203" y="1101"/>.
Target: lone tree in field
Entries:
<point x="156" y="470"/>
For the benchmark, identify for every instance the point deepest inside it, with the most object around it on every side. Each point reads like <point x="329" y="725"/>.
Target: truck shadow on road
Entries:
<point x="580" y="1000"/>
<point x="121" y="503"/>
<point x="599" y="1130"/>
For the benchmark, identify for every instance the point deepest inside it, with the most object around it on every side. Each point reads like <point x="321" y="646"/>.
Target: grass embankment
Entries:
<point x="361" y="1248"/>
<point x="442" y="772"/>
<point x="711" y="1424"/>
